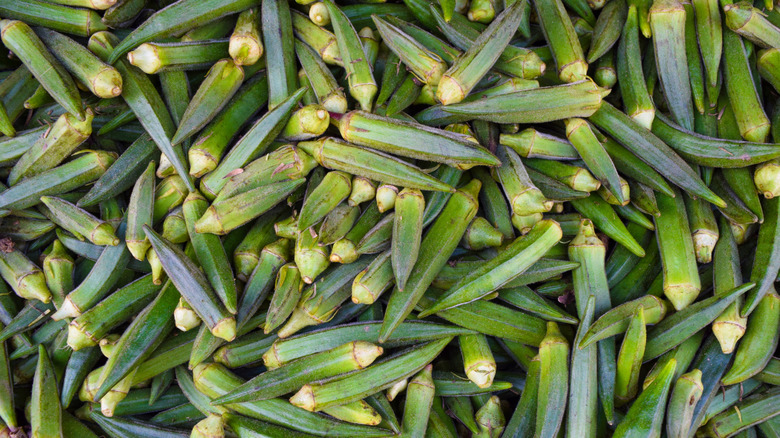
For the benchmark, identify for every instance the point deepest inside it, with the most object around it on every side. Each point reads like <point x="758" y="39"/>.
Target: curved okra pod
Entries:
<point x="154" y="57"/>
<point x="645" y="417"/>
<point x="287" y="293"/>
<point x="436" y="247"/>
<point x="629" y="360"/>
<point x="531" y="143"/>
<point x="759" y="342"/>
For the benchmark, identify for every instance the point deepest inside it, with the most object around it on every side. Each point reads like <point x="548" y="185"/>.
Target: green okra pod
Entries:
<point x="45" y="407"/>
<point x="79" y="222"/>
<point x="674" y="330"/>
<point x="251" y="145"/>
<point x="211" y="253"/>
<point x="553" y="382"/>
<point x="221" y="83"/>
<point x="140" y="212"/>
<point x="645" y="417"/>
<point x="469" y="68"/>
<point x="246" y="46"/>
<point x="146" y="103"/>
<point x="426" y="66"/>
<point x="387" y="134"/>
<point x="278" y="381"/>
<point x="741" y="90"/>
<point x="667" y="18"/>
<point x="102" y="80"/>
<point x="194" y="287"/>
<point x="759" y="342"/>
<point x="652" y="151"/>
<point x="407" y="234"/>
<point x="681" y="277"/>
<point x="213" y="380"/>
<point x="629" y="360"/>
<point x="287" y="293"/>
<point x="517" y="257"/>
<point x="210" y="146"/>
<point x="360" y="76"/>
<point x="50" y="73"/>
<point x="154" y="57"/>
<point x="564" y="44"/>
<point x="317" y="396"/>
<point x="685" y="394"/>
<point x="436" y="247"/>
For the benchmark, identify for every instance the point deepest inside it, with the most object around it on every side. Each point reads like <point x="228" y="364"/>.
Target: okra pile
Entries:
<point x="297" y="218"/>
